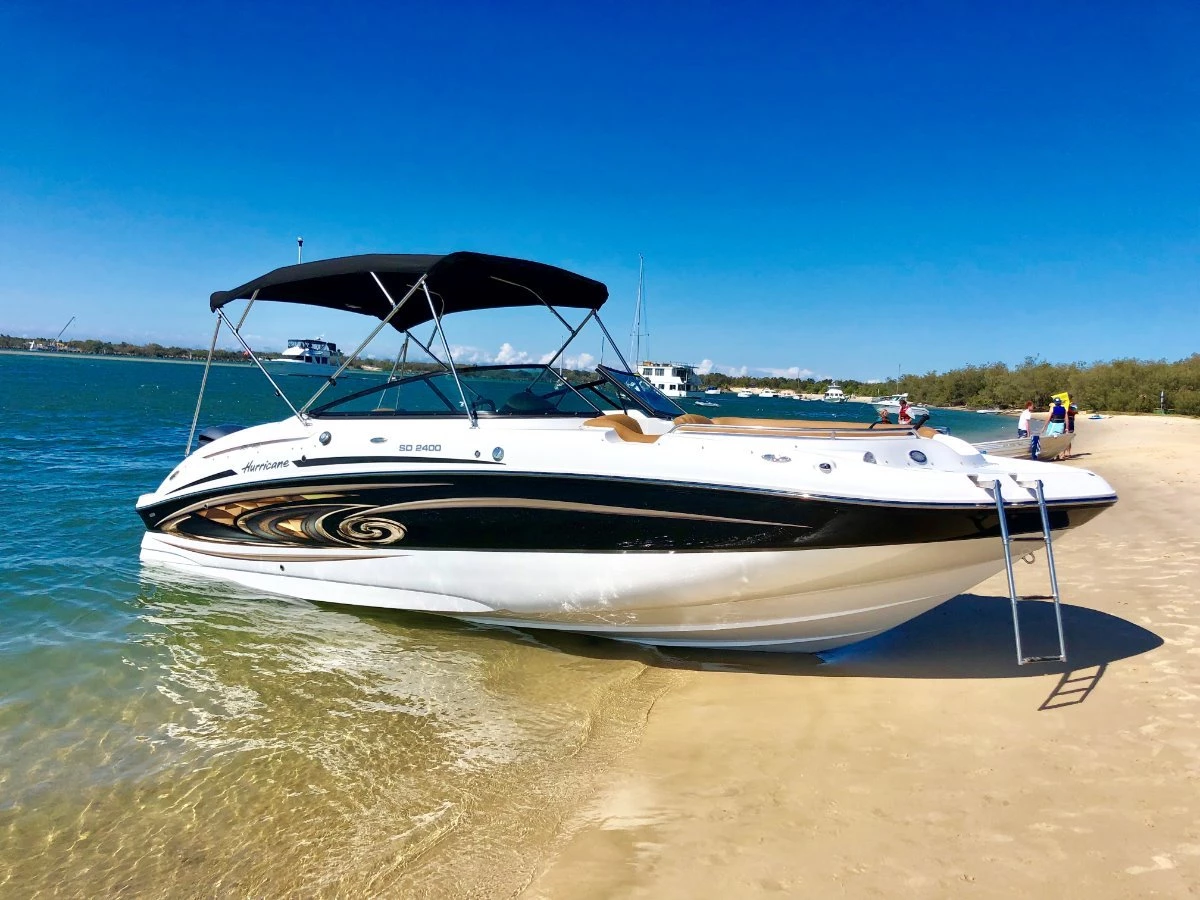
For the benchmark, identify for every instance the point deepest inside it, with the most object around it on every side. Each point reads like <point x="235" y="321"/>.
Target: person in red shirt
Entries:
<point x="905" y="417"/>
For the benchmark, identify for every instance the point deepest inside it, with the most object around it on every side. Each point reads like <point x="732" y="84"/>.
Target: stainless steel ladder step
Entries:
<point x="1035" y="486"/>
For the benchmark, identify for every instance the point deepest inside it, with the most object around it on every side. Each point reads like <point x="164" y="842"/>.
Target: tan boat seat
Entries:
<point x="626" y="428"/>
<point x="790" y="427"/>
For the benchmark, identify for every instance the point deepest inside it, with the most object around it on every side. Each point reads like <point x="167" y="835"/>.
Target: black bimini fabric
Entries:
<point x="458" y="282"/>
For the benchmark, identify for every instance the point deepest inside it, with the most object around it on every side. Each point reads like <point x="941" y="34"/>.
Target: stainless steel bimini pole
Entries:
<point x="428" y="352"/>
<point x="574" y="334"/>
<point x="253" y="358"/>
<point x="208" y="365"/>
<point x="450" y="358"/>
<point x="203" y="382"/>
<point x="599" y="321"/>
<point x="370" y="337"/>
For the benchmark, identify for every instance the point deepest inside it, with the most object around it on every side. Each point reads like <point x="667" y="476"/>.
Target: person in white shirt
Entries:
<point x="1026" y="418"/>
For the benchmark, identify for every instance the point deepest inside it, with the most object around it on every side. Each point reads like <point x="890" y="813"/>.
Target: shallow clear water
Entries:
<point x="193" y="739"/>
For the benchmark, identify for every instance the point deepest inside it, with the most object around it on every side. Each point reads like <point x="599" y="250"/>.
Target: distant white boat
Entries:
<point x="673" y="379"/>
<point x="706" y="403"/>
<point x="835" y="394"/>
<point x="767" y="394"/>
<point x="713" y="391"/>
<point x="744" y="394"/>
<point x="892" y="405"/>
<point x="306" y="356"/>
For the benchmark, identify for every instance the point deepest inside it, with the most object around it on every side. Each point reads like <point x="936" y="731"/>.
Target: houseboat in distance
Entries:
<point x="307" y="356"/>
<point x="835" y="394"/>
<point x="673" y="379"/>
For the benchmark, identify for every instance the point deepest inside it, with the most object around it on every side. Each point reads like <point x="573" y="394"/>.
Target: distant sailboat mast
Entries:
<point x="64" y="331"/>
<point x="639" y="318"/>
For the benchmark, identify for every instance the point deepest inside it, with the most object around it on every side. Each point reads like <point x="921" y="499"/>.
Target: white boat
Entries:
<point x="509" y="496"/>
<point x="306" y="356"/>
<point x="767" y="394"/>
<point x="892" y="406"/>
<point x="713" y="392"/>
<point x="676" y="380"/>
<point x="835" y="394"/>
<point x="707" y="403"/>
<point x="744" y="394"/>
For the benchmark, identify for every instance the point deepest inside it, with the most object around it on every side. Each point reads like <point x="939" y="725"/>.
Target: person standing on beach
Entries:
<point x="1057" y="422"/>
<point x="1024" y="422"/>
<point x="1071" y="410"/>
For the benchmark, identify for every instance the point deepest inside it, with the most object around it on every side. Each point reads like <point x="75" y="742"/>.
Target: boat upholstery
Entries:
<point x="626" y="428"/>
<point x="790" y="427"/>
<point x="793" y="423"/>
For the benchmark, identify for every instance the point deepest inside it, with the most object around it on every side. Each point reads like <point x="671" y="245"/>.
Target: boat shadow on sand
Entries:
<point x="970" y="636"/>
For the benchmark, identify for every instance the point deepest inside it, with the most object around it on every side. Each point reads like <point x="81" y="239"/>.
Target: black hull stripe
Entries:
<point x="206" y="478"/>
<point x="478" y="511"/>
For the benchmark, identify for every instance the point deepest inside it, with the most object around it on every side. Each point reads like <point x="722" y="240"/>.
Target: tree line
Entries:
<point x="1122" y="385"/>
<point x="121" y="348"/>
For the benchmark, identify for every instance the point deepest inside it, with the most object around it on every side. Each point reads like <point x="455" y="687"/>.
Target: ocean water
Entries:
<point x="184" y="739"/>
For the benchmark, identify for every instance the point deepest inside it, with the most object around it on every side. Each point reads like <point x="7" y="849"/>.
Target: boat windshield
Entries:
<point x="642" y="393"/>
<point x="490" y="390"/>
<point x="505" y="391"/>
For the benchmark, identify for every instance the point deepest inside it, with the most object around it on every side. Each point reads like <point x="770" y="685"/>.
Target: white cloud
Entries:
<point x="470" y="355"/>
<point x="584" y="361"/>
<point x="705" y="367"/>
<point x="508" y="355"/>
<point x="789" y="372"/>
<point x="734" y="371"/>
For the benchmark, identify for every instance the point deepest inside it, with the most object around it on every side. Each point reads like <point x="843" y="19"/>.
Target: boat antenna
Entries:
<point x="639" y="316"/>
<point x="299" y="250"/>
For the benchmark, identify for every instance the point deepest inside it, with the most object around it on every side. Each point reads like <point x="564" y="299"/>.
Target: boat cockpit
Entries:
<point x="505" y="390"/>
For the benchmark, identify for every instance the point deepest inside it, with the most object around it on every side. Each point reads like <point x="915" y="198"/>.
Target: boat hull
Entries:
<point x="1049" y="447"/>
<point x="797" y="600"/>
<point x="299" y="368"/>
<point x="893" y="409"/>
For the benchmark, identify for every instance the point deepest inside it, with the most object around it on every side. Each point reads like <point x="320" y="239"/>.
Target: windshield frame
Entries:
<point x="560" y="386"/>
<point x="636" y="395"/>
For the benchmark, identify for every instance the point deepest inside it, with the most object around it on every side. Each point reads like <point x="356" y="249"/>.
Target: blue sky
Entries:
<point x="837" y="190"/>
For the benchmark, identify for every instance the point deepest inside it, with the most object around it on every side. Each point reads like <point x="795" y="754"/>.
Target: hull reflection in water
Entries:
<point x="292" y="750"/>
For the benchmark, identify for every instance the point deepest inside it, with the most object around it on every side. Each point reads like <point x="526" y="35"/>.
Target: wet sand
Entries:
<point x="927" y="761"/>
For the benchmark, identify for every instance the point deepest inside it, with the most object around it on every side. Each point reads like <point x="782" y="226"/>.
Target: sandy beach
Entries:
<point x="929" y="763"/>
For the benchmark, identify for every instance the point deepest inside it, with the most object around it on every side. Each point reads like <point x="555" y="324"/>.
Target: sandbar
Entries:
<point x="927" y="762"/>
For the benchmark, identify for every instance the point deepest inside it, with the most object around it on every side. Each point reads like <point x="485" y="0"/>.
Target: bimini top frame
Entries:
<point x="370" y="284"/>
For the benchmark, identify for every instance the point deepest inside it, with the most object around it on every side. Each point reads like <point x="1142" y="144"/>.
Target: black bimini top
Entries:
<point x="458" y="282"/>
